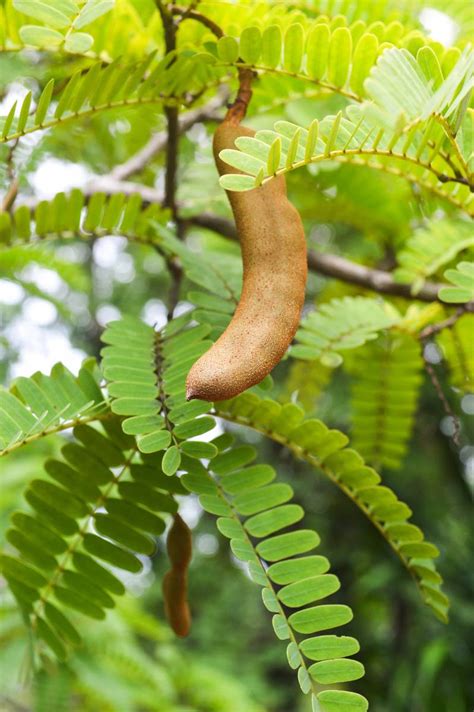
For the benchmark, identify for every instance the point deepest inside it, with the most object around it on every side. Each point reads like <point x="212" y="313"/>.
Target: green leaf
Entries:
<point x="250" y="45"/>
<point x="78" y="42"/>
<point x="296" y="569"/>
<point x="271" y="46"/>
<point x="262" y="498"/>
<point x="317" y="618"/>
<point x="194" y="427"/>
<point x="463" y="279"/>
<point x="40" y="37"/>
<point x="92" y="10"/>
<point x="317" y="51"/>
<point x="242" y="161"/>
<point x="54" y="13"/>
<point x="328" y="647"/>
<point x="114" y="555"/>
<point x="198" y="450"/>
<point x="309" y="590"/>
<point x="153" y="442"/>
<point x="171" y="460"/>
<point x="237" y="183"/>
<point x="228" y="49"/>
<point x="293" y="48"/>
<point x="329" y="672"/>
<point x="271" y="521"/>
<point x="286" y="545"/>
<point x="340" y="701"/>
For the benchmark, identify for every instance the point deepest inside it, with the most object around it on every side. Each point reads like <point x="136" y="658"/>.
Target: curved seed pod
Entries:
<point x="175" y="594"/>
<point x="179" y="544"/>
<point x="274" y="261"/>
<point x="175" y="581"/>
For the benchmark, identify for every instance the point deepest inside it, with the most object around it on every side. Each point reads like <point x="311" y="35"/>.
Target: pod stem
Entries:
<point x="238" y="109"/>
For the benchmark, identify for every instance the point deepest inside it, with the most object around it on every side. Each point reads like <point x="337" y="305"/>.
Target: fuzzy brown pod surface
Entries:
<point x="274" y="278"/>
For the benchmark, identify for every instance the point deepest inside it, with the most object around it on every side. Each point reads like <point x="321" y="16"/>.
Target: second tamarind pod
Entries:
<point x="274" y="277"/>
<point x="177" y="611"/>
<point x="179" y="544"/>
<point x="175" y="581"/>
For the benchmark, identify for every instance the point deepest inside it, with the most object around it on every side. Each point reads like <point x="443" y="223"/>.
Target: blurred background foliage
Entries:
<point x="54" y="302"/>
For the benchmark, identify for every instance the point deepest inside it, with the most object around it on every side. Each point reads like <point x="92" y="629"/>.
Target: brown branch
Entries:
<point x="334" y="266"/>
<point x="171" y="172"/>
<point x="190" y="14"/>
<point x="238" y="109"/>
<point x="12" y="192"/>
<point x="158" y="142"/>
<point x="447" y="323"/>
<point x="456" y="436"/>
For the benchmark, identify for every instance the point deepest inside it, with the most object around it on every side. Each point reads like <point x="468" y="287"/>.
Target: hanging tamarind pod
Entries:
<point x="175" y="581"/>
<point x="274" y="277"/>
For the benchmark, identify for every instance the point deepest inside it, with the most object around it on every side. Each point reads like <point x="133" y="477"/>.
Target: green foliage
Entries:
<point x="69" y="216"/>
<point x="406" y="132"/>
<point x="430" y="248"/>
<point x="100" y="88"/>
<point x="253" y="514"/>
<point x="462" y="279"/>
<point x="387" y="379"/>
<point x="62" y="24"/>
<point x="57" y="568"/>
<point x="103" y="458"/>
<point x="456" y="345"/>
<point x="326" y="450"/>
<point x="340" y="325"/>
<point x="42" y="405"/>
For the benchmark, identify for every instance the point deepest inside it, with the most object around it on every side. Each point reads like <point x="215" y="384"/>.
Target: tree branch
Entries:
<point x="158" y="142"/>
<point x="430" y="331"/>
<point x="191" y="14"/>
<point x="334" y="266"/>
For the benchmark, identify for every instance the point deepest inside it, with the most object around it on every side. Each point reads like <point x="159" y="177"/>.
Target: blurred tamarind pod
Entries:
<point x="175" y="588"/>
<point x="175" y="581"/>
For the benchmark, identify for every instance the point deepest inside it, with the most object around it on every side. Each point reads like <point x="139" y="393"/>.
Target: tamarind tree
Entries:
<point x="107" y="116"/>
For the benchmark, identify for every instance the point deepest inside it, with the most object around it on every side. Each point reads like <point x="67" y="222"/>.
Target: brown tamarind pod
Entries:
<point x="274" y="277"/>
<point x="175" y="581"/>
<point x="175" y="594"/>
<point x="179" y="544"/>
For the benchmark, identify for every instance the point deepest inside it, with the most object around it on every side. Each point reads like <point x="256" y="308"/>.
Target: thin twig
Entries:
<point x="446" y="323"/>
<point x="158" y="142"/>
<point x="444" y="401"/>
<point x="191" y="14"/>
<point x="172" y="146"/>
<point x="12" y="191"/>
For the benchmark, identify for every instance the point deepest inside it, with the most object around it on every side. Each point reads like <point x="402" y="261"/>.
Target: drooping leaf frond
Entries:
<point x="326" y="450"/>
<point x="97" y="483"/>
<point x="42" y="405"/>
<point x="71" y="215"/>
<point x="148" y="387"/>
<point x="431" y="247"/>
<point x="387" y="379"/>
<point x="305" y="383"/>
<point x="340" y="325"/>
<point x="103" y="87"/>
<point x="456" y="346"/>
<point x="360" y="134"/>
<point x="255" y="515"/>
<point x="331" y="54"/>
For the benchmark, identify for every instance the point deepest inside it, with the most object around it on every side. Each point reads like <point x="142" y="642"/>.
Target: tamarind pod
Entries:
<point x="179" y="544"/>
<point x="176" y="604"/>
<point x="274" y="278"/>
